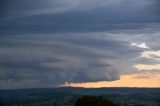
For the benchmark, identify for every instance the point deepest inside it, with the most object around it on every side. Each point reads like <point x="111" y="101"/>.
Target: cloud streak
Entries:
<point x="147" y="67"/>
<point x="155" y="55"/>
<point x="142" y="45"/>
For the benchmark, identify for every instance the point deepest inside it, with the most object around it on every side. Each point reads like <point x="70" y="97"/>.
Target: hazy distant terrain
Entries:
<point x="67" y="96"/>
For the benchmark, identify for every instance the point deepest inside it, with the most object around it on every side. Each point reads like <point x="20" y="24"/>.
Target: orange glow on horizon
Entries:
<point x="125" y="81"/>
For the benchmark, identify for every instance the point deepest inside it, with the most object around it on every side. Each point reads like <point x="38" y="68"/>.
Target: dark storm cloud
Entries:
<point x="53" y="59"/>
<point x="28" y="7"/>
<point x="56" y="59"/>
<point x="49" y="42"/>
<point x="75" y="16"/>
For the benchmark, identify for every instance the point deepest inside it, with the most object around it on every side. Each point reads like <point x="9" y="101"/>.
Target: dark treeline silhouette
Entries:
<point x="1" y="104"/>
<point x="94" y="101"/>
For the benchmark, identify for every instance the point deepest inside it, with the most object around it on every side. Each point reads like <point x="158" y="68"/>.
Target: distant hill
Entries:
<point x="78" y="90"/>
<point x="67" y="96"/>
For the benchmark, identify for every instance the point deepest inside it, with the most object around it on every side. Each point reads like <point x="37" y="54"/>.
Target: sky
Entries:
<point x="79" y="43"/>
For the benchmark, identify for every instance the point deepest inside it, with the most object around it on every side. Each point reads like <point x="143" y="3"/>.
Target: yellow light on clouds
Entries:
<point x="125" y="81"/>
<point x="147" y="67"/>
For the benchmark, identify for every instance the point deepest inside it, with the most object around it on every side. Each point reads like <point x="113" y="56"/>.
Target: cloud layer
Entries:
<point x="47" y="43"/>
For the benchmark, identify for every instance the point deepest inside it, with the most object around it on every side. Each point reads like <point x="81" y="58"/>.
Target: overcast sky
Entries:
<point x="45" y="43"/>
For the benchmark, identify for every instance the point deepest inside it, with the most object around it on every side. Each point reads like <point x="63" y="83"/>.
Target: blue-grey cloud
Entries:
<point x="75" y="16"/>
<point x="53" y="59"/>
<point x="47" y="43"/>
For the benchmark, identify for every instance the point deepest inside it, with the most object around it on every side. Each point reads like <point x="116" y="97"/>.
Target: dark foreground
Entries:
<point x="68" y="96"/>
